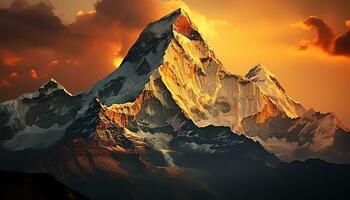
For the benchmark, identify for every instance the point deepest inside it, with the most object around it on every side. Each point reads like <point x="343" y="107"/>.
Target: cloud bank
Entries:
<point x="325" y="38"/>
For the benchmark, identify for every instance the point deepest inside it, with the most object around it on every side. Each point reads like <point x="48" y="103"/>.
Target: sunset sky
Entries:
<point x="305" y="43"/>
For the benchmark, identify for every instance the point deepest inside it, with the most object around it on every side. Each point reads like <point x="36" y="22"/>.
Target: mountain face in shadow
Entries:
<point x="172" y="123"/>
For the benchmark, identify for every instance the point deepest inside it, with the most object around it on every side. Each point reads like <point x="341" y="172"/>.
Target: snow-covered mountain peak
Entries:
<point x="53" y="83"/>
<point x="48" y="88"/>
<point x="148" y="54"/>
<point x="256" y="70"/>
<point x="269" y="84"/>
<point x="259" y="73"/>
<point x="178" y="21"/>
<point x="37" y="119"/>
<point x="51" y="86"/>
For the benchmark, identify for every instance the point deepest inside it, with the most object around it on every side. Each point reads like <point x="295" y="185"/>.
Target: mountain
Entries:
<point x="172" y="123"/>
<point x="309" y="134"/>
<point x="37" y="119"/>
<point x="274" y="90"/>
<point x="170" y="71"/>
<point x="312" y="135"/>
<point x="173" y="51"/>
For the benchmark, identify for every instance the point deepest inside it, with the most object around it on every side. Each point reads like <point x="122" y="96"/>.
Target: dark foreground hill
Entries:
<point x="17" y="185"/>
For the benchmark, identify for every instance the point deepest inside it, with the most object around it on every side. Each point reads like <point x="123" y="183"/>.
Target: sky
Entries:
<point x="305" y="43"/>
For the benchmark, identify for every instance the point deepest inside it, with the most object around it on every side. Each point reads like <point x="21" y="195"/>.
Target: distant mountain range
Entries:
<point x="172" y="123"/>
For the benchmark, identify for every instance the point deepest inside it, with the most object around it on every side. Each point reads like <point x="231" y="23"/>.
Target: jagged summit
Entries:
<point x="51" y="86"/>
<point x="179" y="11"/>
<point x="313" y="115"/>
<point x="268" y="82"/>
<point x="52" y="83"/>
<point x="178" y="21"/>
<point x="147" y="55"/>
<point x="258" y="71"/>
<point x="37" y="119"/>
<point x="46" y="89"/>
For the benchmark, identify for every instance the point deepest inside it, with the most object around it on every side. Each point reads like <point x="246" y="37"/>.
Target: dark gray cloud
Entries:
<point x="326" y="39"/>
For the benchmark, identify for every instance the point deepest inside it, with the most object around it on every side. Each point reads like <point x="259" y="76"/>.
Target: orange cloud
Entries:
<point x="69" y="61"/>
<point x="80" y="13"/>
<point x="14" y="74"/>
<point x="347" y="23"/>
<point x="53" y="62"/>
<point x="325" y="37"/>
<point x="34" y="74"/>
<point x="10" y="59"/>
<point x="4" y="83"/>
